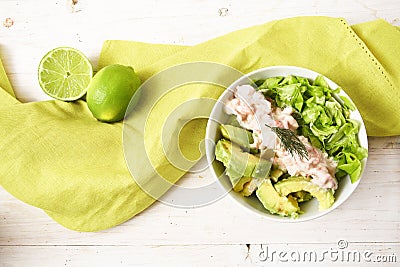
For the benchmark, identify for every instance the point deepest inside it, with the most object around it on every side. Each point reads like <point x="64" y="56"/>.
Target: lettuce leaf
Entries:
<point x="334" y="110"/>
<point x="347" y="104"/>
<point x="320" y="81"/>
<point x="290" y="95"/>
<point x="271" y="82"/>
<point x="349" y="163"/>
<point x="324" y="118"/>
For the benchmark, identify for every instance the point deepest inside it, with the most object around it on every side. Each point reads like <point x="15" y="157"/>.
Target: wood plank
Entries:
<point x="369" y="214"/>
<point x="389" y="142"/>
<point x="217" y="234"/>
<point x="354" y="254"/>
<point x="229" y="255"/>
<point x="31" y="36"/>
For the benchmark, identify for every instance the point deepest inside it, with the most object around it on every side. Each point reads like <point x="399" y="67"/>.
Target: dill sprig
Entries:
<point x="290" y="141"/>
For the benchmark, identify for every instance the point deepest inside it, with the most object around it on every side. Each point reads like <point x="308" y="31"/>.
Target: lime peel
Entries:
<point x="111" y="91"/>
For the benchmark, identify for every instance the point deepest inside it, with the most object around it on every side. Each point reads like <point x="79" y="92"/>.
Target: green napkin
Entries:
<point x="7" y="96"/>
<point x="57" y="157"/>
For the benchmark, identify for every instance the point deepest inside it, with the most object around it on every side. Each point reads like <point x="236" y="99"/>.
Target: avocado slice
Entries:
<point x="237" y="135"/>
<point x="232" y="120"/>
<point x="275" y="174"/>
<point x="239" y="186"/>
<point x="275" y="203"/>
<point x="298" y="183"/>
<point x="236" y="162"/>
<point x="301" y="196"/>
<point x="249" y="187"/>
<point x="239" y="163"/>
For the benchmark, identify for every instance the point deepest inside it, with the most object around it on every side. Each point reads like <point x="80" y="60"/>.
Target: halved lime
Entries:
<point x="65" y="73"/>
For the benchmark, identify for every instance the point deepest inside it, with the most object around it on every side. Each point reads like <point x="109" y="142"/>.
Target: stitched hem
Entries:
<point x="374" y="60"/>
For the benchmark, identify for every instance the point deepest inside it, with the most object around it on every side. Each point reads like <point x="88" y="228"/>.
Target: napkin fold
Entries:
<point x="57" y="157"/>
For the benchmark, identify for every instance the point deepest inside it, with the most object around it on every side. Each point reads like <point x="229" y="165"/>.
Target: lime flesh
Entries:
<point x="65" y="73"/>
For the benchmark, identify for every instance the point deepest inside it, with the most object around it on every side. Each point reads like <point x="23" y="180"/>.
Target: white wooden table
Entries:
<point x="221" y="234"/>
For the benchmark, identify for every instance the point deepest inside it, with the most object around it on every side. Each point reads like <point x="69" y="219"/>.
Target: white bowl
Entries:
<point x="310" y="208"/>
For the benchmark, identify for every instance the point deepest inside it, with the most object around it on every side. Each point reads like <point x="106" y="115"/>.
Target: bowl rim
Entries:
<point x="287" y="69"/>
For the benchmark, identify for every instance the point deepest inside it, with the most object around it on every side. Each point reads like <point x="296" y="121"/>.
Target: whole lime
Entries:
<point x="110" y="92"/>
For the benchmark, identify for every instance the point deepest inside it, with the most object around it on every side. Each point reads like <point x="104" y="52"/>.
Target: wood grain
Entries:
<point x="214" y="235"/>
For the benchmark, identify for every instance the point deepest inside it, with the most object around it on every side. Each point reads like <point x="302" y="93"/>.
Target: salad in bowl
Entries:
<point x="288" y="142"/>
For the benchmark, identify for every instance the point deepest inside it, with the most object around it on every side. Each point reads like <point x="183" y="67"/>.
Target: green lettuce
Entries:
<point x="290" y="95"/>
<point x="349" y="163"/>
<point x="323" y="118"/>
<point x="270" y="83"/>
